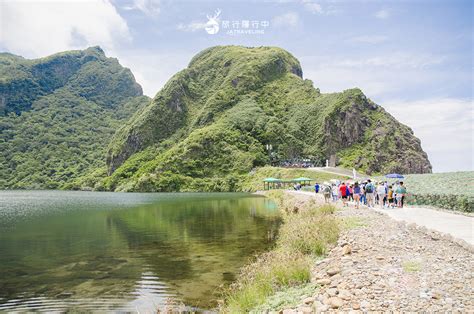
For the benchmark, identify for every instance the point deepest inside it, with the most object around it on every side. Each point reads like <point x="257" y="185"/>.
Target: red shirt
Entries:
<point x="342" y="189"/>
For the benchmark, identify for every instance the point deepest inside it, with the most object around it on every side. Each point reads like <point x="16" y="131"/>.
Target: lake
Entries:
<point x="65" y="250"/>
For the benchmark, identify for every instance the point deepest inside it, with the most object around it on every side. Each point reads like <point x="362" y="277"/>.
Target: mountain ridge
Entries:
<point x="205" y="130"/>
<point x="56" y="113"/>
<point x="260" y="87"/>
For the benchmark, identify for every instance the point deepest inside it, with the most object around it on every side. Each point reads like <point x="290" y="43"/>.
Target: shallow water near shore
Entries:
<point x="62" y="250"/>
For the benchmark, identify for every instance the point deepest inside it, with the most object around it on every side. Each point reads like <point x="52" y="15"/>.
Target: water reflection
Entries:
<point x="73" y="247"/>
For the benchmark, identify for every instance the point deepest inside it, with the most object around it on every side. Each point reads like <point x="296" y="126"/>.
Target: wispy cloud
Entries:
<point x="312" y="6"/>
<point x="378" y="75"/>
<point x="396" y="61"/>
<point x="290" y="19"/>
<point x="191" y="27"/>
<point x="153" y="69"/>
<point x="382" y="14"/>
<point x="368" y="39"/>
<point x="150" y="8"/>
<point x="445" y="127"/>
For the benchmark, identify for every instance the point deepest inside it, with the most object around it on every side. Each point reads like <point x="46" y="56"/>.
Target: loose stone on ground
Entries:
<point x="386" y="265"/>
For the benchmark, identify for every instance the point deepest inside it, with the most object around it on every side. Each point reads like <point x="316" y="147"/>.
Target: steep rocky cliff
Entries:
<point x="211" y="122"/>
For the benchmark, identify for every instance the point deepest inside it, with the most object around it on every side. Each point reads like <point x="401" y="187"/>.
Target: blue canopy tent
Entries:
<point x="394" y="176"/>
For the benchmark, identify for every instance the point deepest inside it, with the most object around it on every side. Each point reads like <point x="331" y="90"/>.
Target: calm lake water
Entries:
<point x="62" y="250"/>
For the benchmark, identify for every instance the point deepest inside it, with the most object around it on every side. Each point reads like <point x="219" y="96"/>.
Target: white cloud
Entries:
<point x="290" y="19"/>
<point x="152" y="70"/>
<point x="368" y="39"/>
<point x="382" y="14"/>
<point x="40" y="28"/>
<point x="149" y="7"/>
<point x="378" y="76"/>
<point x="394" y="60"/>
<point x="312" y="6"/>
<point x="445" y="127"/>
<point x="191" y="27"/>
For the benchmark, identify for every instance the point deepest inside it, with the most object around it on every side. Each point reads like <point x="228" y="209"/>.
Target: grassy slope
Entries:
<point x="207" y="128"/>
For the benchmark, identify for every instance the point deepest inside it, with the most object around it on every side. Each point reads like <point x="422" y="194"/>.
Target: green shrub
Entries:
<point x="310" y="232"/>
<point x="271" y="272"/>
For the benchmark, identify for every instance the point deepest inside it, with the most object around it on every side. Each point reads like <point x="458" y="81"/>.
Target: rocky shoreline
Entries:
<point x="383" y="265"/>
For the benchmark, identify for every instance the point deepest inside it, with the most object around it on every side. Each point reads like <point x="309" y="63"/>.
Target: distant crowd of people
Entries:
<point x="296" y="164"/>
<point x="368" y="193"/>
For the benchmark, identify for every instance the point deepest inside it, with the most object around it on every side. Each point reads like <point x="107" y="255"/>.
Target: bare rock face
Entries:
<point x="363" y="135"/>
<point x="345" y="127"/>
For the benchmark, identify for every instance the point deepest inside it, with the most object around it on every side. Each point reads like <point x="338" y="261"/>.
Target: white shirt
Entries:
<point x="380" y="189"/>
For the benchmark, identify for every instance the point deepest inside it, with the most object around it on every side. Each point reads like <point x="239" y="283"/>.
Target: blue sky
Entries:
<point x="414" y="58"/>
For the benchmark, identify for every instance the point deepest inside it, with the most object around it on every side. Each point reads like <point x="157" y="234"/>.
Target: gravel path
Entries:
<point x="387" y="265"/>
<point x="458" y="226"/>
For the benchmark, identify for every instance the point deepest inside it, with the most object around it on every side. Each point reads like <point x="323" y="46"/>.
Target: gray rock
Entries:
<point x="345" y="295"/>
<point x="308" y="300"/>
<point x="364" y="304"/>
<point x="323" y="282"/>
<point x="305" y="309"/>
<point x="332" y="292"/>
<point x="335" y="302"/>
<point x="333" y="271"/>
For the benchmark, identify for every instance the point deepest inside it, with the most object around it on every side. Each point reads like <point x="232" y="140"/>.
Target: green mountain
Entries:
<point x="58" y="113"/>
<point x="210" y="124"/>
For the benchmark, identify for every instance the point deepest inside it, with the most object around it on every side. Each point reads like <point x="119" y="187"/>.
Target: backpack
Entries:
<point x="369" y="188"/>
<point x="327" y="189"/>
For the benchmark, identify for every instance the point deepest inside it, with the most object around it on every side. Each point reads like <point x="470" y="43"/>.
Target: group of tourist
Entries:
<point x="296" y="163"/>
<point x="368" y="193"/>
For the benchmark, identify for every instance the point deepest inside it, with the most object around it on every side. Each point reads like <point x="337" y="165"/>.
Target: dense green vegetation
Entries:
<point x="452" y="190"/>
<point x="59" y="114"/>
<point x="209" y="126"/>
<point x="205" y="130"/>
<point x="303" y="238"/>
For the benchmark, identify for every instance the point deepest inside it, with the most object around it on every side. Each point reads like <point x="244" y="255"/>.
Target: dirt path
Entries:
<point x="387" y="265"/>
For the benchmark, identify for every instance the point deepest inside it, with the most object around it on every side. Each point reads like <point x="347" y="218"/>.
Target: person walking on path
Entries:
<point x="363" y="199"/>
<point x="390" y="197"/>
<point x="327" y="193"/>
<point x="369" y="193"/>
<point x="356" y="194"/>
<point x="381" y="194"/>
<point x="335" y="193"/>
<point x="401" y="192"/>
<point x="343" y="191"/>
<point x="350" y="188"/>
<point x="316" y="188"/>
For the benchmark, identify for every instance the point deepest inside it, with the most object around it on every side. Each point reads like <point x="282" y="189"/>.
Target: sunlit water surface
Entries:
<point x="64" y="251"/>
